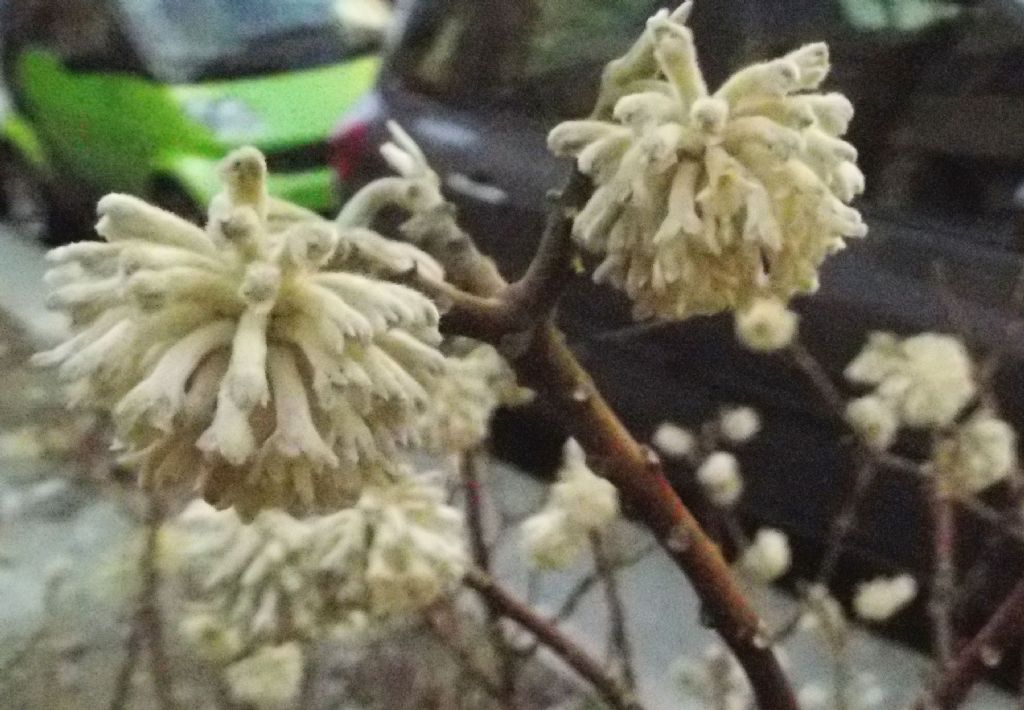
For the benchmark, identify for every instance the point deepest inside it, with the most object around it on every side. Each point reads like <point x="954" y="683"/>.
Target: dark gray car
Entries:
<point x="939" y="88"/>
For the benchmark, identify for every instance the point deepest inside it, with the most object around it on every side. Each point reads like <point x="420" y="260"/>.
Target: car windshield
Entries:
<point x="515" y="51"/>
<point x="908" y="65"/>
<point x="195" y="40"/>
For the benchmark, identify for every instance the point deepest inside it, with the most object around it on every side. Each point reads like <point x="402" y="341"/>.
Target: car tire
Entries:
<point x="22" y="196"/>
<point x="29" y="202"/>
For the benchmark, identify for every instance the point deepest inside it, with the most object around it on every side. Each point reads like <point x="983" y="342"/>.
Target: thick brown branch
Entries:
<point x="1004" y="629"/>
<point x="547" y="365"/>
<point x="552" y="370"/>
<point x="552" y="638"/>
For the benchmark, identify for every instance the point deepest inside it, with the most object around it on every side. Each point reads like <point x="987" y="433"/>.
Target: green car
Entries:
<point x="145" y="96"/>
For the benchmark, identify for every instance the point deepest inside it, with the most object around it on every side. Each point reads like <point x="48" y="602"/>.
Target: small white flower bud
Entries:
<point x="674" y="441"/>
<point x="768" y="557"/>
<point x="766" y="325"/>
<point x="739" y="424"/>
<point x="881" y="598"/>
<point x="979" y="454"/>
<point x="721" y="479"/>
<point x="874" y="421"/>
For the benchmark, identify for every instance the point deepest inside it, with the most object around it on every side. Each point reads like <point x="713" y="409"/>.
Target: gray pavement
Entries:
<point x="55" y="526"/>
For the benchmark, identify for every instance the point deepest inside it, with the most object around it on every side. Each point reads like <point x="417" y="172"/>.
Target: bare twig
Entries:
<point x="464" y="657"/>
<point x="481" y="556"/>
<point x="943" y="574"/>
<point x="589" y="668"/>
<point x="617" y="631"/>
<point x="583" y="586"/>
<point x="147" y="622"/>
<point x="1003" y="629"/>
<point x="846" y="520"/>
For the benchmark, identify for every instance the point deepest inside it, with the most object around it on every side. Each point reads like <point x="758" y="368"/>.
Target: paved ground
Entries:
<point x="60" y="533"/>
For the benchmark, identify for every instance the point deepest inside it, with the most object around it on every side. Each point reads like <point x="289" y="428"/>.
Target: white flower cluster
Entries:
<point x="252" y="582"/>
<point x="239" y="360"/>
<point x="768" y="556"/>
<point x="925" y="380"/>
<point x="881" y="598"/>
<point x="477" y="383"/>
<point x="278" y="578"/>
<point x="705" y="201"/>
<point x="579" y="504"/>
<point x="978" y="454"/>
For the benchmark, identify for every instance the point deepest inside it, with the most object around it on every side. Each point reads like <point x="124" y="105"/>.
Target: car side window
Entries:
<point x="87" y="35"/>
<point x="900" y="15"/>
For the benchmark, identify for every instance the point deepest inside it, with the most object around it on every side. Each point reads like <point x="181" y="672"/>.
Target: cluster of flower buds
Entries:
<point x="927" y="382"/>
<point x="581" y="503"/>
<point x="705" y="201"/>
<point x="279" y="578"/>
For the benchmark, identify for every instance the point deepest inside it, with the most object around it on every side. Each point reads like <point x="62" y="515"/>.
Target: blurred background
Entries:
<point x="145" y="96"/>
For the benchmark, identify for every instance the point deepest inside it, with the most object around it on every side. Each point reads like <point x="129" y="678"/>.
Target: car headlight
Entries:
<point x="229" y="119"/>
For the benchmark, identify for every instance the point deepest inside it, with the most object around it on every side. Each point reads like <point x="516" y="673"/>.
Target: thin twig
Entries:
<point x="579" y="591"/>
<point x="943" y="574"/>
<point x="481" y="556"/>
<point x="617" y="632"/>
<point x="846" y="520"/>
<point x="129" y="665"/>
<point x="1003" y="629"/>
<point x="147" y="622"/>
<point x="553" y="639"/>
<point x="463" y="657"/>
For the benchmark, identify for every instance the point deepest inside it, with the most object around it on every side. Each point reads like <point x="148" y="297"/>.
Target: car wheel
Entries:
<point x="30" y="204"/>
<point x="22" y="196"/>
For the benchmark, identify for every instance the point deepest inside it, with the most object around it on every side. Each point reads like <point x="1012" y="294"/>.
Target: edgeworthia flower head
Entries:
<point x="927" y="380"/>
<point x="580" y="503"/>
<point x="236" y="359"/>
<point x="250" y="585"/>
<point x="704" y="201"/>
<point x="279" y="578"/>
